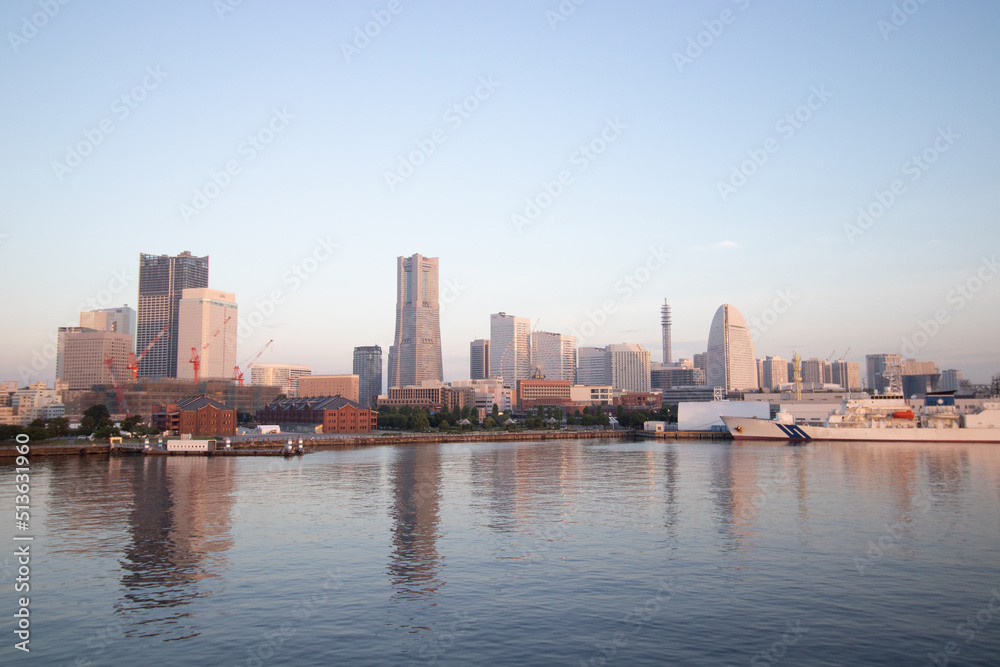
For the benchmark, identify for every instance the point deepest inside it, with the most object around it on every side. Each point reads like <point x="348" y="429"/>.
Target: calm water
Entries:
<point x="525" y="554"/>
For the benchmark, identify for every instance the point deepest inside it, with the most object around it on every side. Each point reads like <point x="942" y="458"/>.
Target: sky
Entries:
<point x="829" y="169"/>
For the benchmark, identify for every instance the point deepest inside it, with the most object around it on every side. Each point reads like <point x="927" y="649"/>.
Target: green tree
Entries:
<point x="444" y="425"/>
<point x="58" y="427"/>
<point x="98" y="412"/>
<point x="496" y="411"/>
<point x="489" y="422"/>
<point x="419" y="420"/>
<point x="400" y="421"/>
<point x="637" y="419"/>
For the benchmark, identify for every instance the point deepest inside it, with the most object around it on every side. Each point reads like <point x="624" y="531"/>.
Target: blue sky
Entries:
<point x="870" y="95"/>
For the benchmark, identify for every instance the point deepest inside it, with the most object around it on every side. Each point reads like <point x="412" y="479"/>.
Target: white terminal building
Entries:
<point x="206" y="323"/>
<point x="285" y="376"/>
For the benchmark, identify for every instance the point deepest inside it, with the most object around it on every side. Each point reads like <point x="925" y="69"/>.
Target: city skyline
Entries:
<point x="715" y="160"/>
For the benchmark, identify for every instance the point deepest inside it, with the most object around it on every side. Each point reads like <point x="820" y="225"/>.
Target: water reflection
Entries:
<point x="180" y="530"/>
<point x="414" y="563"/>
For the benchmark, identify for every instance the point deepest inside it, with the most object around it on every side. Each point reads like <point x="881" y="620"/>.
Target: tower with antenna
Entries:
<point x="665" y="323"/>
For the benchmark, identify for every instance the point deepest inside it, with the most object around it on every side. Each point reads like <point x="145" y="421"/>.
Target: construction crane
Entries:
<point x="216" y="334"/>
<point x="238" y="374"/>
<point x="195" y="361"/>
<point x="133" y="360"/>
<point x="119" y="394"/>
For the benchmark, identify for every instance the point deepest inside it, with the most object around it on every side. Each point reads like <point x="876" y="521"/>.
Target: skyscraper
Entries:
<point x="416" y="352"/>
<point x="592" y="369"/>
<point x="162" y="279"/>
<point x="554" y="355"/>
<point x="206" y="324"/>
<point x="665" y="324"/>
<point x="479" y="359"/>
<point x="115" y="320"/>
<point x="877" y="365"/>
<point x="510" y="356"/>
<point x="628" y="367"/>
<point x="731" y="361"/>
<point x="368" y="368"/>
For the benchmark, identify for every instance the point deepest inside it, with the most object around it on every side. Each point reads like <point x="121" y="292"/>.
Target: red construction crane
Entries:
<point x="238" y="374"/>
<point x="119" y="394"/>
<point x="133" y="360"/>
<point x="195" y="361"/>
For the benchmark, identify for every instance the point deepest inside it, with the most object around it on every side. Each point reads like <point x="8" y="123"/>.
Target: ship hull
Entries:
<point x="743" y="428"/>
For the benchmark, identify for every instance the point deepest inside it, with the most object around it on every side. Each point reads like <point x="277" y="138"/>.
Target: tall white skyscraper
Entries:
<point x="592" y="368"/>
<point x="207" y="323"/>
<point x="415" y="355"/>
<point x="731" y="361"/>
<point x="628" y="367"/>
<point x="510" y="355"/>
<point x="554" y="355"/>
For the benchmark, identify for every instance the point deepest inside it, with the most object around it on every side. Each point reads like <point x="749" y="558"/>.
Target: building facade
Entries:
<point x="628" y="367"/>
<point x="334" y="414"/>
<point x="774" y="372"/>
<point x="591" y="366"/>
<point x="510" y="352"/>
<point x="82" y="356"/>
<point x="415" y="356"/>
<point x="532" y="393"/>
<point x="553" y="356"/>
<point x="197" y="415"/>
<point x="348" y="386"/>
<point x="206" y="326"/>
<point x="116" y="320"/>
<point x="847" y="374"/>
<point x="162" y="279"/>
<point x="432" y="397"/>
<point x="285" y="376"/>
<point x="877" y="366"/>
<point x="731" y="361"/>
<point x="368" y="368"/>
<point x="479" y="359"/>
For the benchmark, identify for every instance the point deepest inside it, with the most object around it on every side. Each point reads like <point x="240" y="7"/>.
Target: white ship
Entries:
<point x="888" y="418"/>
